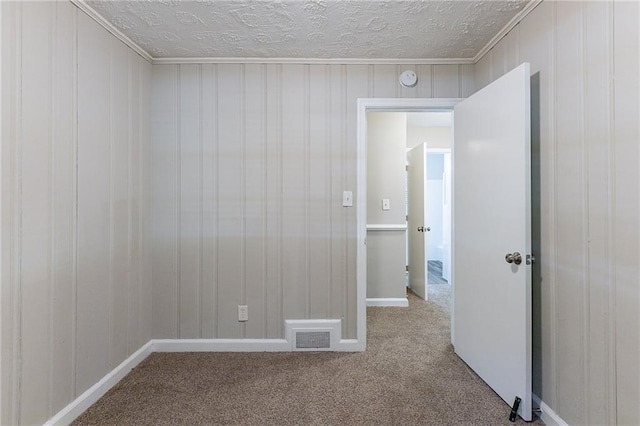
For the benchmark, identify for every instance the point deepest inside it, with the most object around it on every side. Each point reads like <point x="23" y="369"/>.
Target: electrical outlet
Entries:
<point x="243" y="313"/>
<point x="386" y="205"/>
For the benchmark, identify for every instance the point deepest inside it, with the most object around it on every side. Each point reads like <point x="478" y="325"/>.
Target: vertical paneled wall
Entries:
<point x="249" y="165"/>
<point x="584" y="57"/>
<point x="76" y="283"/>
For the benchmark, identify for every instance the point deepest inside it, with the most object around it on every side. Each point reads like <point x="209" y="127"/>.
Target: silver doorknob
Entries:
<point x="428" y="228"/>
<point x="514" y="257"/>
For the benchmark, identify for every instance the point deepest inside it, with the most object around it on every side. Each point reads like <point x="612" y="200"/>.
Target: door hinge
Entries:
<point x="406" y="168"/>
<point x="406" y="218"/>
<point x="406" y="268"/>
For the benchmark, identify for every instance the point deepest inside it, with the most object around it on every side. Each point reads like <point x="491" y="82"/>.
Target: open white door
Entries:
<point x="491" y="226"/>
<point x="416" y="178"/>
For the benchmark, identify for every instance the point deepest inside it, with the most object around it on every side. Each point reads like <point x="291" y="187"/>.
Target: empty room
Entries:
<point x="205" y="213"/>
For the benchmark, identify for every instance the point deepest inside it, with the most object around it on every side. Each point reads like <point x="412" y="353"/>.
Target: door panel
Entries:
<point x="491" y="210"/>
<point x="416" y="177"/>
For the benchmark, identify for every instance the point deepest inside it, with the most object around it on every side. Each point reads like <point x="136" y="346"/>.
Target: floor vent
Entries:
<point x="313" y="339"/>
<point x="313" y="335"/>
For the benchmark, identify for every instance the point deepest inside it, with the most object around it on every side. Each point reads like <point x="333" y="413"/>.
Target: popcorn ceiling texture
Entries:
<point x="310" y="28"/>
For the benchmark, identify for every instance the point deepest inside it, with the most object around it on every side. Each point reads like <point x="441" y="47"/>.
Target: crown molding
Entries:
<point x="318" y="61"/>
<point x="505" y="30"/>
<point x="91" y="12"/>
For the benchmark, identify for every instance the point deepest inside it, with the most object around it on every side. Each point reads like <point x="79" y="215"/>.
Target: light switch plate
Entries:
<point x="386" y="205"/>
<point x="347" y="199"/>
<point x="243" y="313"/>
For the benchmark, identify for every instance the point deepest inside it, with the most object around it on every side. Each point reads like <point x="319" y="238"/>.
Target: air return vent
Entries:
<point x="313" y="335"/>
<point x="313" y="340"/>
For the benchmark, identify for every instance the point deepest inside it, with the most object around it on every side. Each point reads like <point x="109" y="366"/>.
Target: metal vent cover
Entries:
<point x="313" y="340"/>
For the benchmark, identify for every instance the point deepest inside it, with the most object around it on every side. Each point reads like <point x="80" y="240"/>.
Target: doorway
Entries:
<point x="408" y="231"/>
<point x="438" y="196"/>
<point x="493" y="213"/>
<point x="379" y="105"/>
<point x="434" y="130"/>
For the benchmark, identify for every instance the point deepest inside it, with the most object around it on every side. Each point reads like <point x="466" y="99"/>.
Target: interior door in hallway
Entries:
<point x="416" y="178"/>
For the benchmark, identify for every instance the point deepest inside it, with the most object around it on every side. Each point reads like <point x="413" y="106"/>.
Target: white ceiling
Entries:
<point x="364" y="29"/>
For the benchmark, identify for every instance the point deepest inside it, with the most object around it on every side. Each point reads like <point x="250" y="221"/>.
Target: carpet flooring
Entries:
<point x="409" y="375"/>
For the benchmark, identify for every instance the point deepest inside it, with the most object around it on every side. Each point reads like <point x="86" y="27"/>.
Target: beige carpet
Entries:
<point x="409" y="375"/>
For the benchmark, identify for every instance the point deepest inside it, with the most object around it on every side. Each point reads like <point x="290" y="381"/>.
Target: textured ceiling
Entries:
<point x="310" y="28"/>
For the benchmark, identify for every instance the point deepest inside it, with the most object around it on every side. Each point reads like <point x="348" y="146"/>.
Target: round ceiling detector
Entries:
<point x="409" y="79"/>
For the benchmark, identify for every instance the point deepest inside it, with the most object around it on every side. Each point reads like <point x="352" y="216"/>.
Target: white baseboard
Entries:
<point x="547" y="415"/>
<point x="221" y="345"/>
<point x="402" y="302"/>
<point x="95" y="392"/>
<point x="350" y="345"/>
<point x="243" y="345"/>
<point x="78" y="406"/>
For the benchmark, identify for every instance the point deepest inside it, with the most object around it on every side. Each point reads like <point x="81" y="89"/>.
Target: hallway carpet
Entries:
<point x="409" y="375"/>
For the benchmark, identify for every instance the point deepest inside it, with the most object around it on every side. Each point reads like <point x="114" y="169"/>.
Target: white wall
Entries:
<point x="75" y="202"/>
<point x="250" y="162"/>
<point x="435" y="137"/>
<point x="386" y="178"/>
<point x="586" y="161"/>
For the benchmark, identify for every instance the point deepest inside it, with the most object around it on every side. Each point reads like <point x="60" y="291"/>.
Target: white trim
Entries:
<point x="221" y="345"/>
<point x="350" y="345"/>
<point x="402" y="302"/>
<point x="78" y="406"/>
<point x="407" y="104"/>
<point x="547" y="415"/>
<point x="364" y="105"/>
<point x="318" y="61"/>
<point x="244" y="345"/>
<point x="389" y="227"/>
<point x="93" y="14"/>
<point x="505" y="30"/>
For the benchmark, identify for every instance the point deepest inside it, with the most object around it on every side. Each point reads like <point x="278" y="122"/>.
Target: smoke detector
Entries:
<point x="409" y="79"/>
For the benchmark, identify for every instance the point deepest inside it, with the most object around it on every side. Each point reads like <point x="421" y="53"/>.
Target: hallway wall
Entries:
<point x="386" y="179"/>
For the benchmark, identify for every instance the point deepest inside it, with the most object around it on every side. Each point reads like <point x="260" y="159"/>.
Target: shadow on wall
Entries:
<point x="536" y="246"/>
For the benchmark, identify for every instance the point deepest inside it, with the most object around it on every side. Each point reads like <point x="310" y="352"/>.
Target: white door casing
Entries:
<point x="416" y="179"/>
<point x="491" y="218"/>
<point x="365" y="105"/>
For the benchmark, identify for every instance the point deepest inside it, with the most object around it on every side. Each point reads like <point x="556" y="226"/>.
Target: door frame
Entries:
<point x="379" y="105"/>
